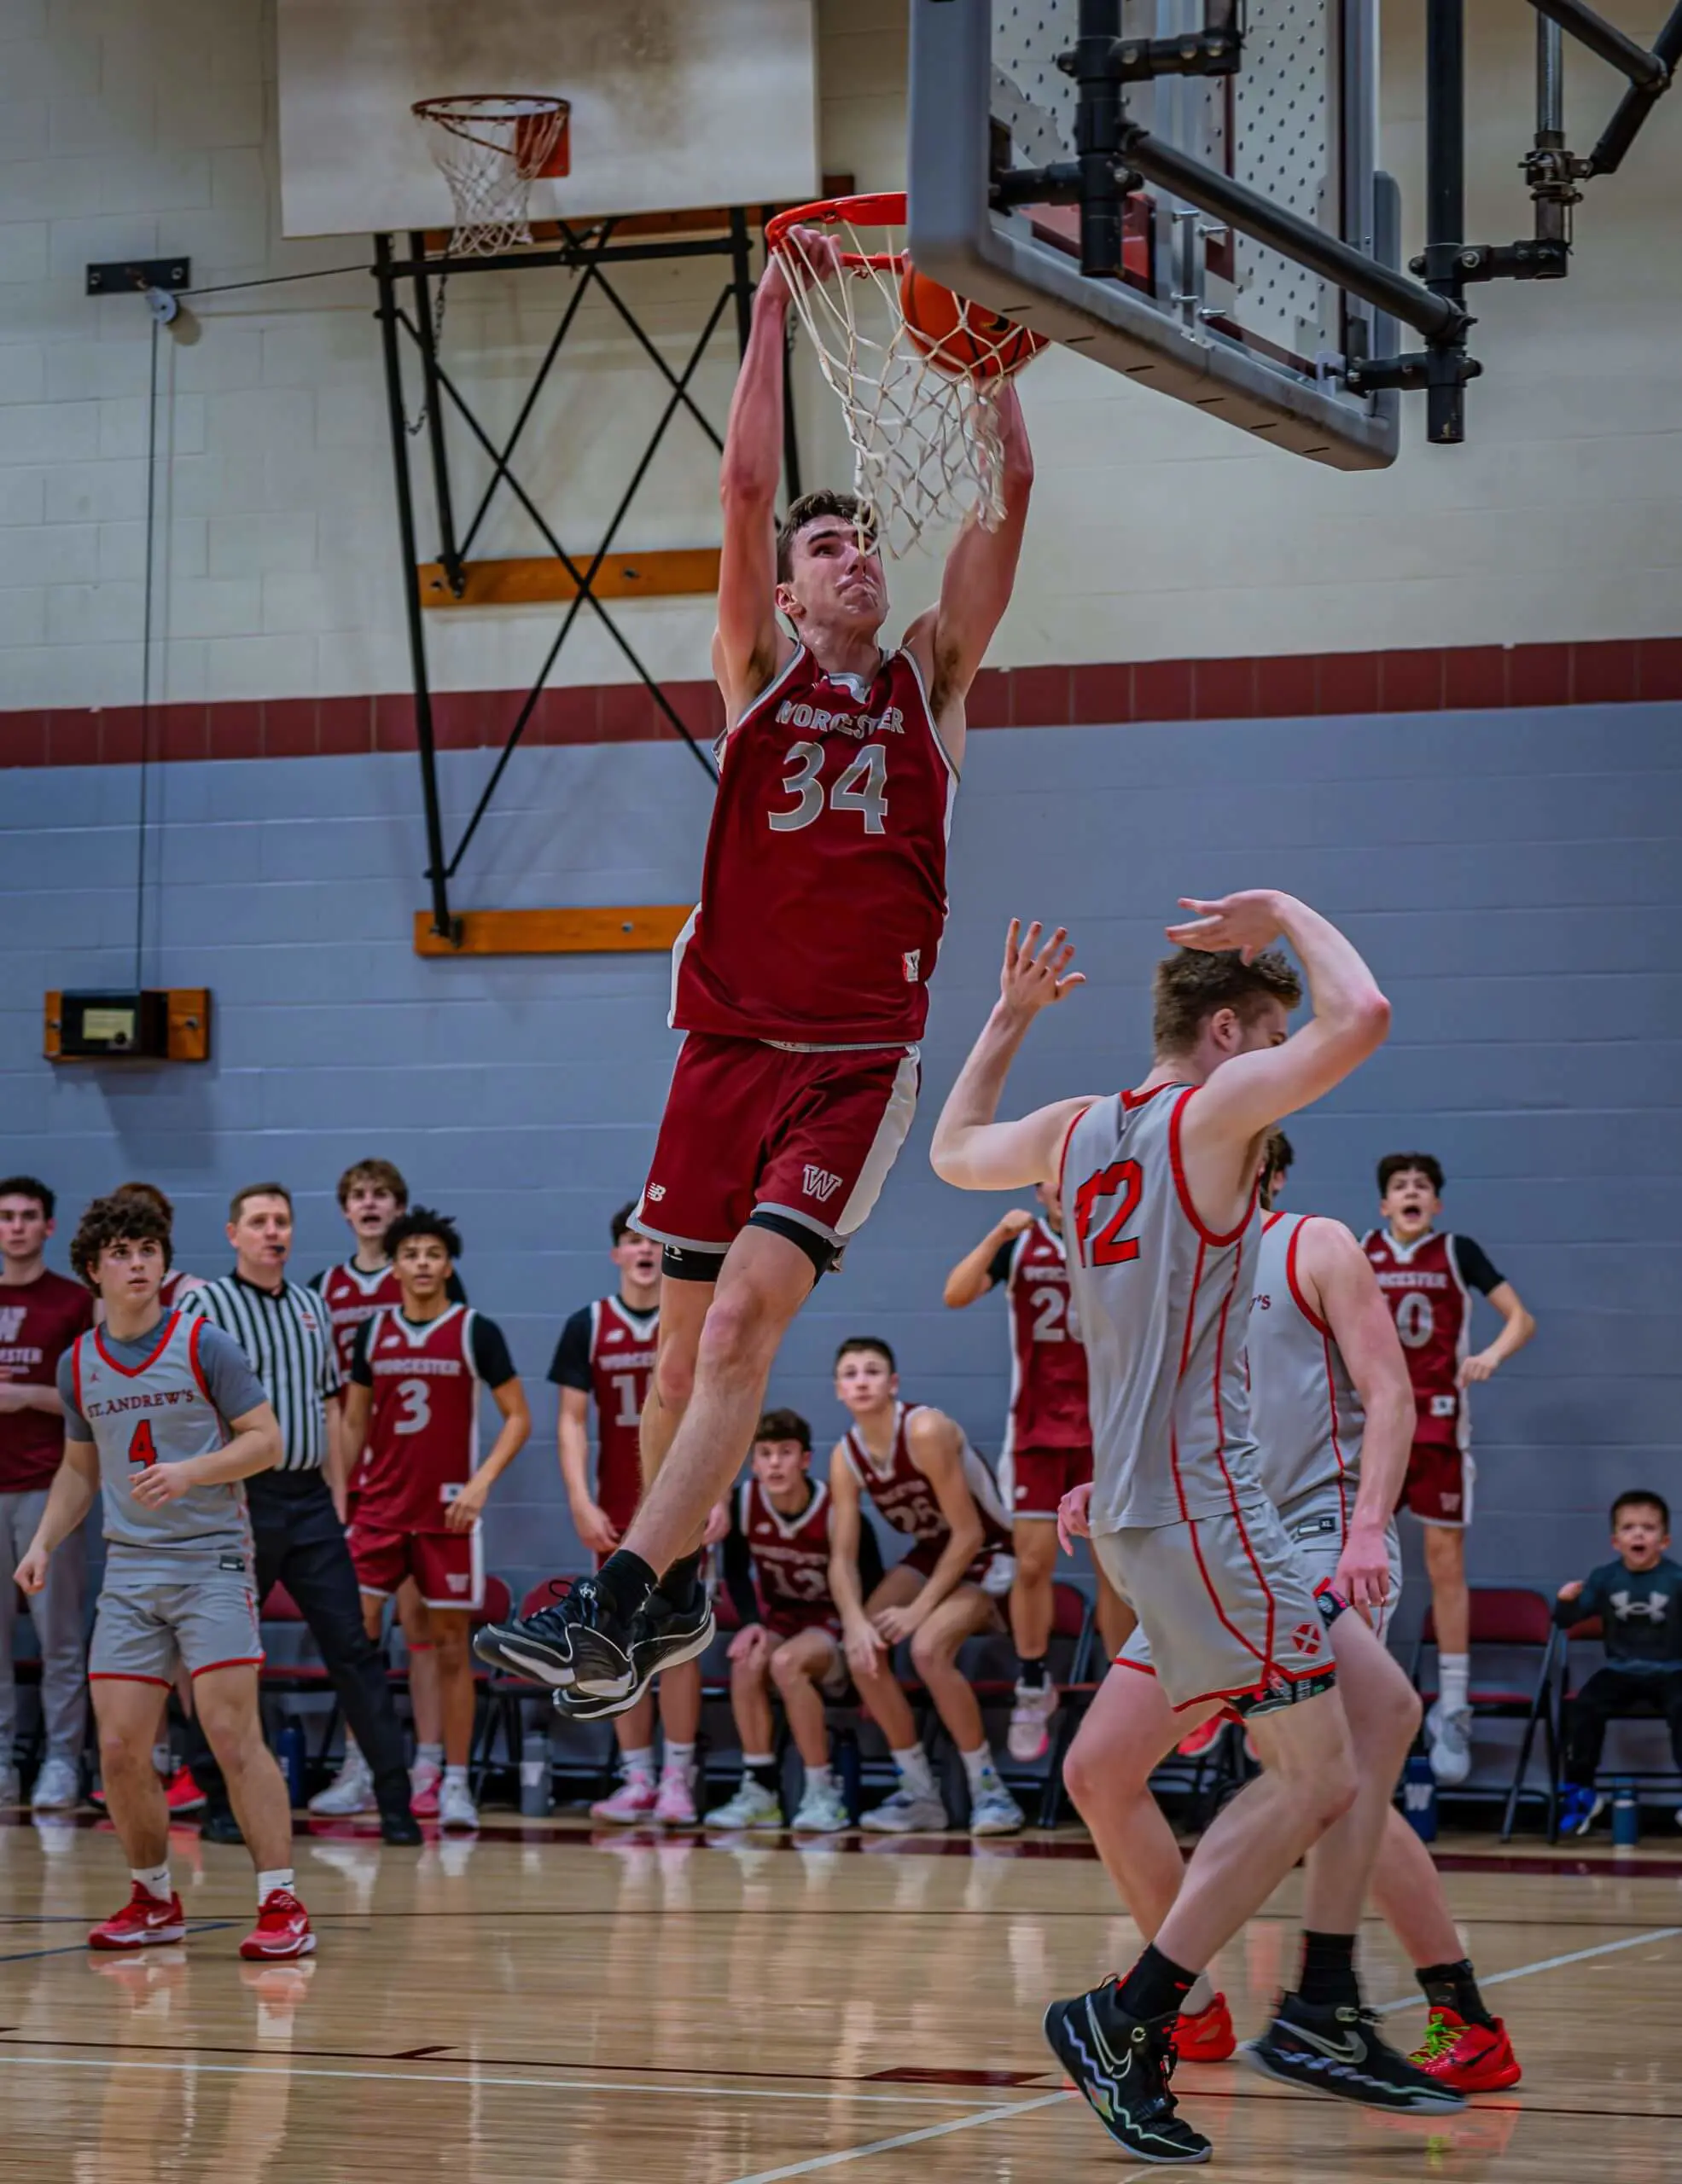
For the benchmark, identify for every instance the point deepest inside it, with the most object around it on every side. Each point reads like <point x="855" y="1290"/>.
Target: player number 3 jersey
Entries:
<point x="423" y="1427"/>
<point x="1163" y="1301"/>
<point x="823" y="891"/>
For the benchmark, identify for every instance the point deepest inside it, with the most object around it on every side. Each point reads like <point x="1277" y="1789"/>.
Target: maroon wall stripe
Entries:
<point x="1613" y="671"/>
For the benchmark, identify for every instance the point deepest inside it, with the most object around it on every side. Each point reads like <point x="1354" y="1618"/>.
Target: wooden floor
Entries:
<point x="542" y="2003"/>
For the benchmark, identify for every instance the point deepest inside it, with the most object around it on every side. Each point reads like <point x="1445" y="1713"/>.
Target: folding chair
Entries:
<point x="1513" y="1616"/>
<point x="1594" y="1629"/>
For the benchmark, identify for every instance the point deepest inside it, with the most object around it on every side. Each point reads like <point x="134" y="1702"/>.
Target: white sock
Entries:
<point x="639" y="1765"/>
<point x="1452" y="1671"/>
<point x="454" y="1778"/>
<point x="915" y="1772"/>
<point x="429" y="1755"/>
<point x="820" y="1778"/>
<point x="354" y="1762"/>
<point x="1199" y="1995"/>
<point x="156" y="1882"/>
<point x="281" y="1877"/>
<point x="679" y="1759"/>
<point x="979" y="1767"/>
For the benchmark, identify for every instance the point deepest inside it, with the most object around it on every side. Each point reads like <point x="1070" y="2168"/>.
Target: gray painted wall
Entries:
<point x="1513" y="877"/>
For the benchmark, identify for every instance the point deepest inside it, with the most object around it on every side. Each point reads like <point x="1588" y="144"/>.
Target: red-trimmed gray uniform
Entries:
<point x="1181" y="1525"/>
<point x="178" y="1579"/>
<point x="1306" y="1413"/>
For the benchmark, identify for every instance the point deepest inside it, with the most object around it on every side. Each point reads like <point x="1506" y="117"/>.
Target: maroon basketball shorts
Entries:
<point x="1034" y="1480"/>
<point x="448" y="1567"/>
<point x="752" y="1130"/>
<point x="1438" y="1490"/>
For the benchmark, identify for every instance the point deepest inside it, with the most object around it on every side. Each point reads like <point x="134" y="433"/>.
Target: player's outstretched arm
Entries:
<point x="858" y="1637"/>
<point x="972" y="1277"/>
<point x="971" y="1149"/>
<point x="750" y="646"/>
<point x="950" y="641"/>
<point x="1338" y="1282"/>
<point x="1351" y="1017"/>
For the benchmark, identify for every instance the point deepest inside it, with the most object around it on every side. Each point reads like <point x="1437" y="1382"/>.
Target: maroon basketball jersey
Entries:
<point x="1432" y="1307"/>
<point x="352" y="1296"/>
<point x="1048" y="1362"/>
<point x="38" y="1321"/>
<point x="905" y="1500"/>
<point x="791" y="1558"/>
<point x="621" y="1368"/>
<point x="823" y="893"/>
<point x="423" y="1429"/>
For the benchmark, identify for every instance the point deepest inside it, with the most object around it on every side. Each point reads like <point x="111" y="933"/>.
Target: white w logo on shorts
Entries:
<point x="820" y="1183"/>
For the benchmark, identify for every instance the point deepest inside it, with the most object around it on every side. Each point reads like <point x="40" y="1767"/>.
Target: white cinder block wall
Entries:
<point x="138" y="126"/>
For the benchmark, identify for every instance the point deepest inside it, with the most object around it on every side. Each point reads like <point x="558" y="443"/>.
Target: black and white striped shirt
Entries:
<point x="288" y="1337"/>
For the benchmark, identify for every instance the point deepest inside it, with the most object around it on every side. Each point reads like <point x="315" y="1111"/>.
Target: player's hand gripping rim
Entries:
<point x="1248" y="921"/>
<point x="1035" y="977"/>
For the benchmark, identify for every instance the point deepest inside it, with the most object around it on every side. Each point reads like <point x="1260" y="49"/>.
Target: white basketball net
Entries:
<point x="925" y="438"/>
<point x="490" y="150"/>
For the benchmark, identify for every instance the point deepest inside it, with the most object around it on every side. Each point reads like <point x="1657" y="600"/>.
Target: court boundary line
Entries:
<point x="475" y="2078"/>
<point x="844" y="2154"/>
<point x="1542" y="1964"/>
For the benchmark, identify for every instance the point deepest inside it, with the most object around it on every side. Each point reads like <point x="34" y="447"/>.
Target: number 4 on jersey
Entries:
<point x="1123" y="1179"/>
<point x="141" y="1449"/>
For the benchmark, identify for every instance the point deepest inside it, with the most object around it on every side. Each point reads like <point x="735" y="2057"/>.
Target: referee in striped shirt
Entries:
<point x="300" y="1542"/>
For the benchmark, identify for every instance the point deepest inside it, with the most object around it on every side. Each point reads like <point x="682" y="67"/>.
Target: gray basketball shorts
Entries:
<point x="150" y="1618"/>
<point x="1226" y="1610"/>
<point x="1314" y="1524"/>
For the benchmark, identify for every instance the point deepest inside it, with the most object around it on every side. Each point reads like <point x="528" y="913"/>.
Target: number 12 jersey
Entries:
<point x="823" y="891"/>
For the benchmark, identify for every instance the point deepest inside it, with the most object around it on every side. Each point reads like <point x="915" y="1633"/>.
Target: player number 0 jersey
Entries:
<point x="1163" y="1302"/>
<point x="823" y="891"/>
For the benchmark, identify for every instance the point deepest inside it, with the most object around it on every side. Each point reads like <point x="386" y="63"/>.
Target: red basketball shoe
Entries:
<point x="144" y="1921"/>
<point x="1206" y="2038"/>
<point x="1470" y="2058"/>
<point x="182" y="1793"/>
<point x="282" y="1928"/>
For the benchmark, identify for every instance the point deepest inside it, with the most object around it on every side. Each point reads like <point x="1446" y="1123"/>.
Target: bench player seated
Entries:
<point x="777" y="1567"/>
<point x="411" y="1417"/>
<point x="164" y="1418"/>
<point x="925" y="1480"/>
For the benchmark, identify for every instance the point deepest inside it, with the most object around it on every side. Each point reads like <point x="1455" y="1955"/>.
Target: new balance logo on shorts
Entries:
<point x="820" y="1183"/>
<point x="656" y="1192"/>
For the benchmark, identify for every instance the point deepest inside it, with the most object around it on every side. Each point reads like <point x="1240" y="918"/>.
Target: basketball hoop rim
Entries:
<point x="885" y="209"/>
<point x="452" y="110"/>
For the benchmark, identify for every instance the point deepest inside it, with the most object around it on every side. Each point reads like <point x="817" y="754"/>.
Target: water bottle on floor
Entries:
<point x="535" y="1786"/>
<point x="1625" y="1814"/>
<point x="289" y="1754"/>
<point x="1419" y="1797"/>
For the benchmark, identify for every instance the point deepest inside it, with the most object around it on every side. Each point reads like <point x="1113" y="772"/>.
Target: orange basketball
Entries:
<point x="962" y="338"/>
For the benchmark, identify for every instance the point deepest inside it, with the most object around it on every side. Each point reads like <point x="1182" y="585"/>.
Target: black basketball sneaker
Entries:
<point x="1121" y="2064"/>
<point x="606" y="1683"/>
<point x="1335" y="2048"/>
<point x="545" y="1647"/>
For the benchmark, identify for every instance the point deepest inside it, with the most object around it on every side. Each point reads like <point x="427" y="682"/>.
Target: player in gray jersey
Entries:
<point x="164" y="1416"/>
<point x="1159" y="1184"/>
<point x="1332" y="1408"/>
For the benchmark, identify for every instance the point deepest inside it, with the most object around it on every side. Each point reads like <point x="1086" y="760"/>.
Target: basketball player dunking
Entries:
<point x="1332" y="1411"/>
<point x="801" y="982"/>
<point x="1161" y="1186"/>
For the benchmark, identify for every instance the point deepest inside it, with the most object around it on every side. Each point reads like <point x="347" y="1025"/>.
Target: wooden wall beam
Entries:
<point x="669" y="573"/>
<point x="645" y="929"/>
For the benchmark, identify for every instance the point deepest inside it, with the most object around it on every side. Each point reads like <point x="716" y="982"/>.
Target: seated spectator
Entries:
<point x="1639" y="1599"/>
<point x="776" y="1568"/>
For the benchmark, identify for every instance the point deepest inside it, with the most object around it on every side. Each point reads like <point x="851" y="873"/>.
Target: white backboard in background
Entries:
<point x="676" y="103"/>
